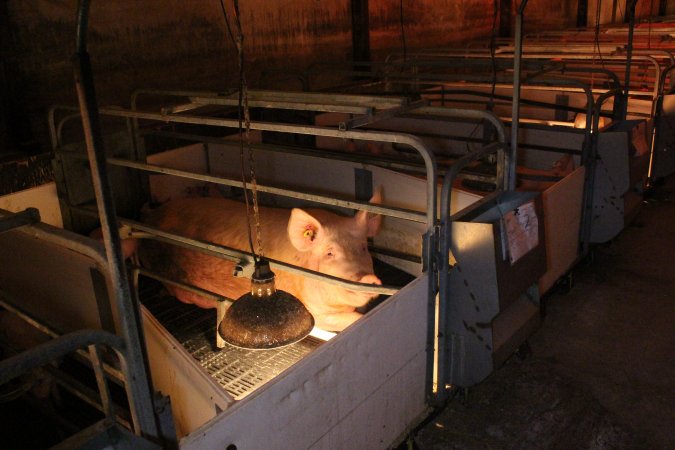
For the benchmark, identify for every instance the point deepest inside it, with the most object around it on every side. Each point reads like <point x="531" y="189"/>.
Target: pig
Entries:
<point x="315" y="239"/>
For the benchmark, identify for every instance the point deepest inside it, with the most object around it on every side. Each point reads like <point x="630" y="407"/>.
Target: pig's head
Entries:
<point x="337" y="246"/>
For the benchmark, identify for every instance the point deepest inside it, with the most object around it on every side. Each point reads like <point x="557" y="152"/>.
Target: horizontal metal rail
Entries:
<point x="11" y="304"/>
<point x="566" y="58"/>
<point x="398" y="138"/>
<point x="363" y="206"/>
<point x="187" y="287"/>
<point x="296" y="106"/>
<point x="399" y="213"/>
<point x="19" y="219"/>
<point x="272" y="99"/>
<point x="42" y="354"/>
<point x="71" y="241"/>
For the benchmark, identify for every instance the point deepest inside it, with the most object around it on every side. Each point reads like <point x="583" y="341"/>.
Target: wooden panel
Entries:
<point x="562" y="220"/>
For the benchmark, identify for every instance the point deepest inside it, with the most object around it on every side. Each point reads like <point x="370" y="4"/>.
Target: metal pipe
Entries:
<point x="566" y="57"/>
<point x="10" y="303"/>
<point x="380" y="160"/>
<point x="629" y="56"/>
<point x="42" y="354"/>
<point x="381" y="136"/>
<point x="107" y="405"/>
<point x="504" y="159"/>
<point x="363" y="206"/>
<point x="658" y="110"/>
<point x="136" y="371"/>
<point x="515" y="107"/>
<point x="15" y="220"/>
<point x="72" y="241"/>
<point x="303" y="98"/>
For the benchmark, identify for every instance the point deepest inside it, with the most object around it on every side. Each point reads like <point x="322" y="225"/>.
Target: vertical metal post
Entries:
<point x="582" y="13"/>
<point x="136" y="373"/>
<point x="360" y="31"/>
<point x="505" y="8"/>
<point x="663" y="7"/>
<point x="515" y="107"/>
<point x="629" y="55"/>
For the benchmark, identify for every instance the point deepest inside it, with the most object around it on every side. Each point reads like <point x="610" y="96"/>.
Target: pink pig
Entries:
<point x="315" y="239"/>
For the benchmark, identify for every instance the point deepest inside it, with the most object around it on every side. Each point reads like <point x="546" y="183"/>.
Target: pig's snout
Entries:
<point x="370" y="279"/>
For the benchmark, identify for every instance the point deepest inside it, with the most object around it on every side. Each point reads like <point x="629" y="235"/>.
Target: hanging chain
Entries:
<point x="245" y="130"/>
<point x="254" y="183"/>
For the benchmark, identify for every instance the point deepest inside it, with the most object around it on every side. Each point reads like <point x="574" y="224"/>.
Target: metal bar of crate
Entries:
<point x="387" y="211"/>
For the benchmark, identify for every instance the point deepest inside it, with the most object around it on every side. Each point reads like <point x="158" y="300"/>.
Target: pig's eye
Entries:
<point x="364" y="248"/>
<point x="330" y="253"/>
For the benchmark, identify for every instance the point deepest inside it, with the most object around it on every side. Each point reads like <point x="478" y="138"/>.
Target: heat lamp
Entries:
<point x="265" y="318"/>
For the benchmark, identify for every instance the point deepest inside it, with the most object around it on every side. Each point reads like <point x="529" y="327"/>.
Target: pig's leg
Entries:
<point x="190" y="297"/>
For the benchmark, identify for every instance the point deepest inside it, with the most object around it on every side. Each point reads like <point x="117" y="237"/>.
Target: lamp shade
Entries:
<point x="265" y="318"/>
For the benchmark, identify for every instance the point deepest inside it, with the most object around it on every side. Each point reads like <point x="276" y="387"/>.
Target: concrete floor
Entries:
<point x="601" y="374"/>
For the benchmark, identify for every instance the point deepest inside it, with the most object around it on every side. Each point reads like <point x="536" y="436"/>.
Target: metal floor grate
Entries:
<point x="237" y="370"/>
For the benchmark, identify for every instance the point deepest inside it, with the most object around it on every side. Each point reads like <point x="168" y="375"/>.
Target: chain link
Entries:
<point x="254" y="183"/>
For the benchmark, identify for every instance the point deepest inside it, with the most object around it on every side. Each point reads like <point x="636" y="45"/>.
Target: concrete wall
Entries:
<point x="181" y="44"/>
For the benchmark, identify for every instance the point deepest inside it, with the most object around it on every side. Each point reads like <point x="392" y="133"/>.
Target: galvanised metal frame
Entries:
<point x="310" y="130"/>
<point x="565" y="57"/>
<point x="237" y="256"/>
<point x="73" y="342"/>
<point x="141" y="400"/>
<point x="430" y="257"/>
<point x="445" y="241"/>
<point x="659" y="113"/>
<point x="138" y="384"/>
<point x="45" y="353"/>
<point x="589" y="159"/>
<point x="515" y="104"/>
<point x="589" y="152"/>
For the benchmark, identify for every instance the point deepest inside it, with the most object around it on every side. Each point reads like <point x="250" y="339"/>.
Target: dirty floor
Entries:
<point x="601" y="372"/>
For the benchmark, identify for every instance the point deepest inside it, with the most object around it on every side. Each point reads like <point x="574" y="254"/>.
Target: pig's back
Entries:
<point x="217" y="220"/>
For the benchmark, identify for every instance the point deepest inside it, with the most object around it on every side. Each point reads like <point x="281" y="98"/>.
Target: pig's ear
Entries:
<point x="369" y="221"/>
<point x="304" y="230"/>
